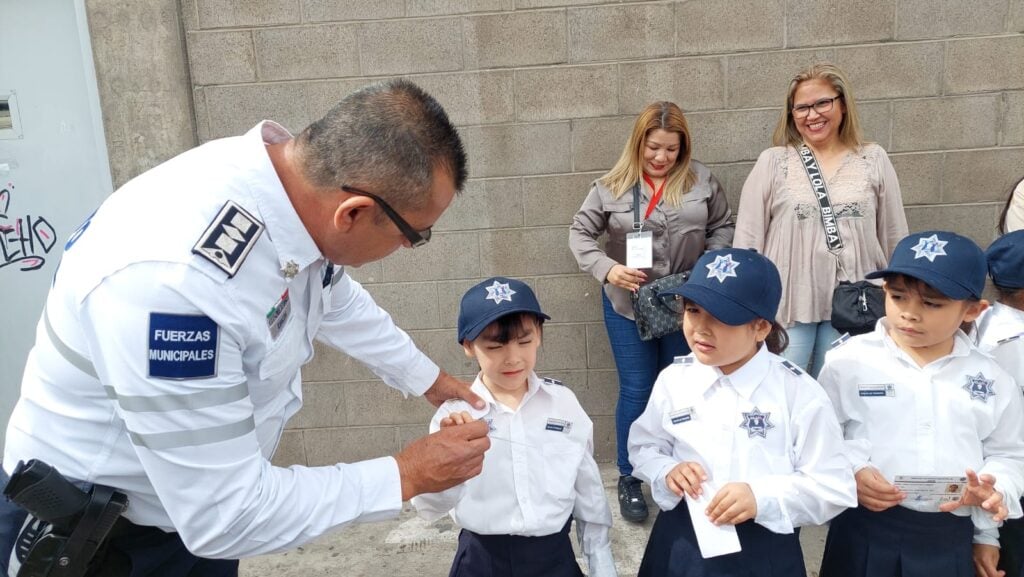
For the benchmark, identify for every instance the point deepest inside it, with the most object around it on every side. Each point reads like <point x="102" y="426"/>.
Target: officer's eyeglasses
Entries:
<point x="415" y="237"/>
<point x="821" y="107"/>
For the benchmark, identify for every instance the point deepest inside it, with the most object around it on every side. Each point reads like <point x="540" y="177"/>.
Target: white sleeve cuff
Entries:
<point x="986" y="537"/>
<point x="601" y="563"/>
<point x="771" y="514"/>
<point x="380" y="487"/>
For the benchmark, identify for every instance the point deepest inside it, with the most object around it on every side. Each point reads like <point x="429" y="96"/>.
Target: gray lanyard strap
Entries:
<point x="828" y="216"/>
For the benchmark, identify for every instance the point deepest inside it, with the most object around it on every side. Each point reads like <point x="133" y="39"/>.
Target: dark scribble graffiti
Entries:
<point x="24" y="241"/>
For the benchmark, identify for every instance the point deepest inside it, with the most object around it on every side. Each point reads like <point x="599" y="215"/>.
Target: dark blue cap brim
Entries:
<point x="471" y="333"/>
<point x="945" y="285"/>
<point x="720" y="306"/>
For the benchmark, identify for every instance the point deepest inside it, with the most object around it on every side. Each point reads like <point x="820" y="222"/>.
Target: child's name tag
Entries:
<point x="681" y="416"/>
<point x="882" y="390"/>
<point x="558" y="425"/>
<point x="639" y="250"/>
<point x="931" y="488"/>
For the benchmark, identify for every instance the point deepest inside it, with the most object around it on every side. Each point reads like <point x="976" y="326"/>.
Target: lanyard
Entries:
<point x="656" y="197"/>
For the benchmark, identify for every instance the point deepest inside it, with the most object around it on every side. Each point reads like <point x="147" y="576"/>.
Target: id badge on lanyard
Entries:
<point x="640" y="244"/>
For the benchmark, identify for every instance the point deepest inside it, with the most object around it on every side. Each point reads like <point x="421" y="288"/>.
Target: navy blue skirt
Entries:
<point x="1011" y="547"/>
<point x="672" y="551"/>
<point x="898" y="541"/>
<point x="515" y="556"/>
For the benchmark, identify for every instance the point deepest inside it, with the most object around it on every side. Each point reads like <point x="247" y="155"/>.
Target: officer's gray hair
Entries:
<point x="386" y="138"/>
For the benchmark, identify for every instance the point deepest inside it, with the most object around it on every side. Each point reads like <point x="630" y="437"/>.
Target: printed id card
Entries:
<point x="639" y="250"/>
<point x="931" y="488"/>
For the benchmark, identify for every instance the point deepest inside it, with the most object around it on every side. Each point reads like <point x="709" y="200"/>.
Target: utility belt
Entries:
<point x="66" y="526"/>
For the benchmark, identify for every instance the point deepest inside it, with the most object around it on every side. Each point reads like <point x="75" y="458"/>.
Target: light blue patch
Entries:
<point x="182" y="346"/>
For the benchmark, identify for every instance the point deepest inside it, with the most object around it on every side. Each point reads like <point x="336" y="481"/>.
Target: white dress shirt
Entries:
<point x="193" y="454"/>
<point x="958" y="412"/>
<point x="539" y="470"/>
<point x="768" y="424"/>
<point x="1000" y="333"/>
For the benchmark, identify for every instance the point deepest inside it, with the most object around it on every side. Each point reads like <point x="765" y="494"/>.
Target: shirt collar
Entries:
<point x="962" y="345"/>
<point x="744" y="380"/>
<point x="284" y="227"/>
<point x="532" y="387"/>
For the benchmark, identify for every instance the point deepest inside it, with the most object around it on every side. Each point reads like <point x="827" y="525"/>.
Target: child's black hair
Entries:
<point x="914" y="284"/>
<point x="1013" y="297"/>
<point x="777" y="340"/>
<point x="510" y="327"/>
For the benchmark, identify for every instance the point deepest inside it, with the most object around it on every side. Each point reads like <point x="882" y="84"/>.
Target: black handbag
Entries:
<point x="655" y="317"/>
<point x="856" y="306"/>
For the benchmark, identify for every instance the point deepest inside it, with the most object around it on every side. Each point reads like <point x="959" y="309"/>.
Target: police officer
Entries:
<point x="167" y="358"/>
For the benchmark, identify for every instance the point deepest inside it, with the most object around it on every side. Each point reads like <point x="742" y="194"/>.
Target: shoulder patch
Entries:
<point x="841" y="340"/>
<point x="683" y="360"/>
<point x="550" y="381"/>
<point x="182" y="346"/>
<point x="230" y="238"/>
<point x="792" y="368"/>
<point x="1009" y="339"/>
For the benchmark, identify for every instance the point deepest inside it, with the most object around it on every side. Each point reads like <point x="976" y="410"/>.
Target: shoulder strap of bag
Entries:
<point x="828" y="216"/>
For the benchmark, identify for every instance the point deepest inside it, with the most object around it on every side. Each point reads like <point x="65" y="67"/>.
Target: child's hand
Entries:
<point x="686" y="478"/>
<point x="874" y="492"/>
<point x="734" y="504"/>
<point x="460" y="418"/>
<point x="980" y="492"/>
<point x="986" y="557"/>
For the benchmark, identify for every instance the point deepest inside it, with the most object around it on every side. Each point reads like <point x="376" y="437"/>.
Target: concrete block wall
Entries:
<point x="544" y="93"/>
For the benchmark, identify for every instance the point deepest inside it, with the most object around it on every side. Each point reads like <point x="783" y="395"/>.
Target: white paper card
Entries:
<point x="931" y="489"/>
<point x="714" y="540"/>
<point x="639" y="250"/>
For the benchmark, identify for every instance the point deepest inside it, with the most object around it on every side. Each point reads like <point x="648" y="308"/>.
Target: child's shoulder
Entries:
<point x="848" y="347"/>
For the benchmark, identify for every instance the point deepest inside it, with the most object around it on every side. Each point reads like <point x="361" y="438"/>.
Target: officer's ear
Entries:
<point x="350" y="210"/>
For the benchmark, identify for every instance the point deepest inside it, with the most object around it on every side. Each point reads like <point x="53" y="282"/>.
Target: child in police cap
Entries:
<point x="736" y="435"/>
<point x="916" y="398"/>
<point x="540" y="472"/>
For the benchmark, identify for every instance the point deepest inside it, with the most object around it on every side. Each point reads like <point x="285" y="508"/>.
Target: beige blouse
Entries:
<point x="780" y="218"/>
<point x="680" y="233"/>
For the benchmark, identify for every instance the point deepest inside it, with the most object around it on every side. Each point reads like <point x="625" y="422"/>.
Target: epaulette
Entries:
<point x="683" y="360"/>
<point x="1009" y="339"/>
<point x="229" y="238"/>
<point x="840" y="341"/>
<point x="792" y="368"/>
<point x="550" y="381"/>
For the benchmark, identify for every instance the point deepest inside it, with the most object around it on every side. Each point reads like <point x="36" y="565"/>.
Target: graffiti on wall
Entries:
<point x="25" y="240"/>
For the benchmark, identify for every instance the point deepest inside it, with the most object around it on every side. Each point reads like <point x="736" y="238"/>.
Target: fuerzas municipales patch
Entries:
<point x="182" y="346"/>
<point x="230" y="237"/>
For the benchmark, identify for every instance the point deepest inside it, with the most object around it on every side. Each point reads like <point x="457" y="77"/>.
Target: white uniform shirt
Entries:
<point x="131" y="300"/>
<point x="961" y="411"/>
<point x="1000" y="333"/>
<point x="768" y="424"/>
<point x="539" y="470"/>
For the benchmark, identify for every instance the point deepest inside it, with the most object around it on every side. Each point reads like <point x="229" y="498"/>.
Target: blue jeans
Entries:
<point x="638" y="363"/>
<point x="808" y="343"/>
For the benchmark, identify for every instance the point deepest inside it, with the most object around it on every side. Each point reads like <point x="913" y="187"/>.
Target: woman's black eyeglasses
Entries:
<point x="822" y="106"/>
<point x="415" y="237"/>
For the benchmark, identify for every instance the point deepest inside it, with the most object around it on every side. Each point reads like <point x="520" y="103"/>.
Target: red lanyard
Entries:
<point x="656" y="197"/>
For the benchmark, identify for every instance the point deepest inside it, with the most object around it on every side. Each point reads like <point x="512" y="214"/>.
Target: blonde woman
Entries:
<point x="684" y="207"/>
<point x="779" y="215"/>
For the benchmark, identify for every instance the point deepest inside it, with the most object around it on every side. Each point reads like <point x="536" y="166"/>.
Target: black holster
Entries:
<point x="79" y="522"/>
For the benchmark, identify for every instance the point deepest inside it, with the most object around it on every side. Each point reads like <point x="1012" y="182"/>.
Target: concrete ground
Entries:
<point x="408" y="546"/>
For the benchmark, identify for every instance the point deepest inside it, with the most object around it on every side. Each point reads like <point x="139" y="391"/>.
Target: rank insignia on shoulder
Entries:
<point x="841" y="340"/>
<point x="683" y="360"/>
<point x="558" y="425"/>
<point x="230" y="238"/>
<point x="1009" y="339"/>
<point x="792" y="368"/>
<point x="550" y="381"/>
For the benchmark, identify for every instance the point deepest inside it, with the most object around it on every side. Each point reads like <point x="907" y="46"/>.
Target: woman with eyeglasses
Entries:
<point x="780" y="215"/>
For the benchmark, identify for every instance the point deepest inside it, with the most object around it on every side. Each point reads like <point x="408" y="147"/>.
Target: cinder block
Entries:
<point x="290" y="450"/>
<point x="323" y="405"/>
<point x="1016" y="21"/>
<point x="604" y="439"/>
<point x="876" y="122"/>
<point x="827" y="22"/>
<point x="189" y="14"/>
<point x="443" y="349"/>
<point x="411" y="305"/>
<point x="1013" y="118"/>
<point x="473" y="97"/>
<point x="893" y="70"/>
<point x="526" y="252"/>
<point x="449" y="295"/>
<point x="599" y="348"/>
<point x="235" y="109"/>
<point x="330" y="365"/>
<point x="202" y="116"/>
<point x="975" y="221"/>
<point x="349" y="444"/>
<point x="762" y="79"/>
<point x="523" y="4"/>
<point x="574" y="298"/>
<point x="731" y="136"/>
<point x="409" y="433"/>
<point x="597" y="143"/>
<point x="732" y="176"/>
<point x="945" y="18"/>
<point x="566" y="92"/>
<point x="221" y="57"/>
<point x="692" y="83"/>
<point x="242" y="13"/>
<point x="320" y="51"/>
<point x="366" y="274"/>
<point x="485" y="204"/>
<point x="943" y="123"/>
<point x="410" y="46"/>
<point x="517" y="149"/>
<point x="704" y="26"/>
<point x="324" y="95"/>
<point x="554" y="200"/>
<point x="601" y="393"/>
<point x="441" y="7"/>
<point x="448" y="255"/>
<point x="985" y="64"/>
<point x="565" y="348"/>
<point x="346" y="10"/>
<point x="920" y="176"/>
<point x="515" y="39"/>
<point x="605" y="33"/>
<point x="981" y="175"/>
<point x="374" y="403"/>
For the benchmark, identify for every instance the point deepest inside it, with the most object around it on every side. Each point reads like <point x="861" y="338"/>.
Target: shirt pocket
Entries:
<point x="285" y="356"/>
<point x="620" y="217"/>
<point x="561" y="464"/>
<point x="692" y="213"/>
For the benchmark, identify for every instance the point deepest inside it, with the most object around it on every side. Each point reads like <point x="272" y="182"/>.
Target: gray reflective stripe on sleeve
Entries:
<point x="207" y="436"/>
<point x="80" y="362"/>
<point x="190" y="401"/>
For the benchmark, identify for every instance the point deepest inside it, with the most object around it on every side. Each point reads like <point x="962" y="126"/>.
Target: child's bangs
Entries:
<point x="906" y="283"/>
<point x="511" y="327"/>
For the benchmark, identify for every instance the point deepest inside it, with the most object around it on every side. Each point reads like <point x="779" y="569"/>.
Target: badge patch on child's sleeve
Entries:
<point x="182" y="346"/>
<point x="558" y="425"/>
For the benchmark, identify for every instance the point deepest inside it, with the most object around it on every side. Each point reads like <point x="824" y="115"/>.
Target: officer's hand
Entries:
<point x="625" y="277"/>
<point x="459" y="418"/>
<point x="443" y="459"/>
<point x="980" y="492"/>
<point x="733" y="504"/>
<point x="686" y="478"/>
<point x="448" y="387"/>
<point x="986" y="557"/>
<point x="875" y="492"/>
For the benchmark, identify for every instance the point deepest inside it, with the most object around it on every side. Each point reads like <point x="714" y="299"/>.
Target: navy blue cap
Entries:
<point x="735" y="285"/>
<point x="492" y="299"/>
<point x="1006" y="260"/>
<point x="947" y="262"/>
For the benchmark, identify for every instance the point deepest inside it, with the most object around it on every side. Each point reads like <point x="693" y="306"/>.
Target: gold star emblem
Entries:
<point x="290" y="269"/>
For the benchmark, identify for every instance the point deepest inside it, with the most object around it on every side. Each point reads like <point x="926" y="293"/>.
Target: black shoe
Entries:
<point x="631" y="499"/>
